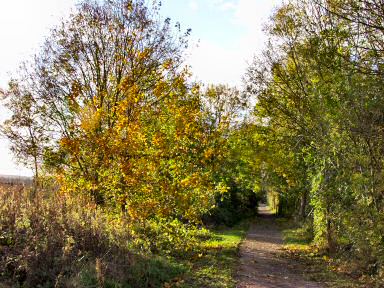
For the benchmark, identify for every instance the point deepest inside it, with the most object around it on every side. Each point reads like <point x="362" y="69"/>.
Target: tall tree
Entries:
<point x="124" y="122"/>
<point x="319" y="93"/>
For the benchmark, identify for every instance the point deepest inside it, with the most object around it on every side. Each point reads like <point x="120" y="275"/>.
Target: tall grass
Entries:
<point x="50" y="239"/>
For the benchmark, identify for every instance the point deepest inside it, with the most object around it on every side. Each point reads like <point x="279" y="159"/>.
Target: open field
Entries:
<point x="12" y="180"/>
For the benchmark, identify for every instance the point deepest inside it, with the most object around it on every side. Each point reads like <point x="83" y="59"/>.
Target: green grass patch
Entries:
<point x="297" y="238"/>
<point x="215" y="265"/>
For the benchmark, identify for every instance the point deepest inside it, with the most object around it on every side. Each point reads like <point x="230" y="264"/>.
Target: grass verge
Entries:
<point x="319" y="267"/>
<point x="215" y="266"/>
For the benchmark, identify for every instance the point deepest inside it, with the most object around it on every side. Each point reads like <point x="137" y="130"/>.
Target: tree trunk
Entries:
<point x="303" y="204"/>
<point x="330" y="243"/>
<point x="35" y="178"/>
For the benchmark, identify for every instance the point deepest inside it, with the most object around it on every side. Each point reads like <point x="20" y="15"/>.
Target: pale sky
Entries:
<point x="225" y="36"/>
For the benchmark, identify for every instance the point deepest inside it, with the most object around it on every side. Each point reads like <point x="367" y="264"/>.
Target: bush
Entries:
<point x="170" y="237"/>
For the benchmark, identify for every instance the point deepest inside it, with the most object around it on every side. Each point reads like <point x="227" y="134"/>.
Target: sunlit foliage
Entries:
<point x="320" y="111"/>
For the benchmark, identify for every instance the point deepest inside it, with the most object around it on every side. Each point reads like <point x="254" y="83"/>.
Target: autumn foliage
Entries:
<point x="125" y="125"/>
<point x="145" y="157"/>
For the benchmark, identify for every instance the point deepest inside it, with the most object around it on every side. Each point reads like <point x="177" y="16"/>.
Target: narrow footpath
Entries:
<point x="261" y="264"/>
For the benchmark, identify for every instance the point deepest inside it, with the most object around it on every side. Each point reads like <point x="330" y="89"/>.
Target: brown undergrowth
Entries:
<point x="49" y="239"/>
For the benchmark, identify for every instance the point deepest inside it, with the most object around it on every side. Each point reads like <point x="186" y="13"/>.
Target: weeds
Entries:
<point x="50" y="239"/>
<point x="216" y="264"/>
<point x="334" y="270"/>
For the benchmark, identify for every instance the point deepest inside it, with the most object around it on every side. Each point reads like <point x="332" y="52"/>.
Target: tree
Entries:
<point x="126" y="126"/>
<point x="235" y="173"/>
<point x="24" y="130"/>
<point x="319" y="106"/>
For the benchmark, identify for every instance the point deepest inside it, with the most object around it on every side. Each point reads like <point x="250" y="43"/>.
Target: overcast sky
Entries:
<point x="225" y="36"/>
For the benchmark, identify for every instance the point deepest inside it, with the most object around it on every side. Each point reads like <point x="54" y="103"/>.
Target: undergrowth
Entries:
<point x="49" y="239"/>
<point x="215" y="265"/>
<point x="338" y="270"/>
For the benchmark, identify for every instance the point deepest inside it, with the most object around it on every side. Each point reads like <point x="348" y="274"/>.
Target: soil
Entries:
<point x="261" y="261"/>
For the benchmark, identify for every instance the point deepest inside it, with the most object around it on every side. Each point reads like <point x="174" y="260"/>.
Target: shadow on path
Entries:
<point x="261" y="265"/>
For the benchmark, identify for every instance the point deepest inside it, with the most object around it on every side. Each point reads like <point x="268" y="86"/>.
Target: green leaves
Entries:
<point x="319" y="113"/>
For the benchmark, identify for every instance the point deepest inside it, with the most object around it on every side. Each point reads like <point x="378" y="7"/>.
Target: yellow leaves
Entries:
<point x="151" y="156"/>
<point x="157" y="140"/>
<point x="191" y="181"/>
<point x="185" y="182"/>
<point x="143" y="209"/>
<point x="129" y="6"/>
<point x="69" y="244"/>
<point x="124" y="84"/>
<point x="90" y="118"/>
<point x="222" y="188"/>
<point x="132" y="213"/>
<point x="209" y="153"/>
<point x="132" y="95"/>
<point x="167" y="64"/>
<point x="160" y="88"/>
<point x="195" y="89"/>
<point x="130" y="181"/>
<point x="147" y="189"/>
<point x="142" y="55"/>
<point x="75" y="92"/>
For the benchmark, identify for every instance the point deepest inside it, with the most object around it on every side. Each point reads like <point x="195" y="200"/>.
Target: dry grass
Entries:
<point x="49" y="239"/>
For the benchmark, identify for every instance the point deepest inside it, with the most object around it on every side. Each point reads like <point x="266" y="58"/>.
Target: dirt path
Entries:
<point x="261" y="266"/>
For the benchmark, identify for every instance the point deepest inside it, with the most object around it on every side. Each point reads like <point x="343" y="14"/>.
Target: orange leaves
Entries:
<point x="190" y="181"/>
<point x="131" y="92"/>
<point x="158" y="140"/>
<point x="142" y="55"/>
<point x="209" y="153"/>
<point x="145" y="146"/>
<point x="155" y="157"/>
<point x="74" y="94"/>
<point x="71" y="145"/>
<point x="129" y="6"/>
<point x="130" y="127"/>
